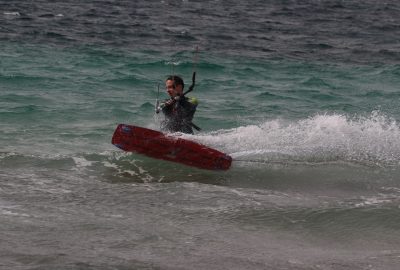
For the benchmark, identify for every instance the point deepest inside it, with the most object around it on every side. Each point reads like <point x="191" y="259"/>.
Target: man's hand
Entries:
<point x="167" y="103"/>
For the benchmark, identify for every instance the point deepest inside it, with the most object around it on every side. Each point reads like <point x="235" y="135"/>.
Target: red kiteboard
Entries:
<point x="158" y="145"/>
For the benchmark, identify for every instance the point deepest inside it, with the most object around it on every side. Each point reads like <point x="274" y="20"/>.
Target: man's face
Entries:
<point x="172" y="89"/>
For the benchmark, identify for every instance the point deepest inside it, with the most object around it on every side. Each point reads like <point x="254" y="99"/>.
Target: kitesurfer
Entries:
<point x="178" y="109"/>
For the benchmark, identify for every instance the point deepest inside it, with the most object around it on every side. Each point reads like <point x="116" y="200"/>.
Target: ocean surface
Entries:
<point x="303" y="94"/>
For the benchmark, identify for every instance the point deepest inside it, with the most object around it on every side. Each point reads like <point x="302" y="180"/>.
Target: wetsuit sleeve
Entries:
<point x="165" y="106"/>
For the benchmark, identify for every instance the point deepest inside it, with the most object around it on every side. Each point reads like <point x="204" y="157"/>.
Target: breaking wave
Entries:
<point x="372" y="140"/>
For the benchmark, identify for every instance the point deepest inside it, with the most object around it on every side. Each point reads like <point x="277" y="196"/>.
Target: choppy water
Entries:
<point x="302" y="94"/>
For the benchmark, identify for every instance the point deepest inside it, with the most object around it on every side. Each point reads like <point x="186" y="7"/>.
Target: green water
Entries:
<point x="316" y="148"/>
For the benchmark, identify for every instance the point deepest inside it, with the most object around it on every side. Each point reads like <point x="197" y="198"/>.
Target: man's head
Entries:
<point x="174" y="85"/>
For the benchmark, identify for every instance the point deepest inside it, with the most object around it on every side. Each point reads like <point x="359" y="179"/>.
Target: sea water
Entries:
<point x="303" y="94"/>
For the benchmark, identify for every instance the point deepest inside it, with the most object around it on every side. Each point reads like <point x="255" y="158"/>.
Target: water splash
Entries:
<point x="371" y="140"/>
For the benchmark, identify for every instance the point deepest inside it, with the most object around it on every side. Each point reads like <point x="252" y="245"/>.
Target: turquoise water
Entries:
<point x="302" y="94"/>
<point x="61" y="100"/>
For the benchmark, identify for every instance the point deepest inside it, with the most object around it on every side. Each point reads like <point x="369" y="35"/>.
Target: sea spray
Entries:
<point x="374" y="139"/>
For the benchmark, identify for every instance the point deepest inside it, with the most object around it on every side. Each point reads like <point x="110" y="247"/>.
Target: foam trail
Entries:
<point x="322" y="138"/>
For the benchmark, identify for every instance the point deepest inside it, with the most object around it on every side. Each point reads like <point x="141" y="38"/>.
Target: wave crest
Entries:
<point x="374" y="139"/>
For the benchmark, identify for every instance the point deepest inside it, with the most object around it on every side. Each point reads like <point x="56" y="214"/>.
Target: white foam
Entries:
<point x="110" y="165"/>
<point x="379" y="200"/>
<point x="4" y="155"/>
<point x="11" y="213"/>
<point x="81" y="162"/>
<point x="134" y="169"/>
<point x="12" y="13"/>
<point x="321" y="138"/>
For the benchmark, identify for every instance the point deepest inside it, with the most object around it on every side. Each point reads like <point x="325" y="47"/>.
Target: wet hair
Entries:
<point x="177" y="80"/>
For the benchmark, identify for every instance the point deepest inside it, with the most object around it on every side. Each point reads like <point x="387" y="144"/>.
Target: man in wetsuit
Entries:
<point x="178" y="110"/>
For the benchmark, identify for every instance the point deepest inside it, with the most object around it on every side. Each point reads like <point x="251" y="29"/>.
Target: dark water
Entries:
<point x="302" y="94"/>
<point x="340" y="31"/>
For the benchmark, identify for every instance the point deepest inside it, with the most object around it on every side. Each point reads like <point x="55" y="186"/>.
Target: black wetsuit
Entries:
<point x="179" y="115"/>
